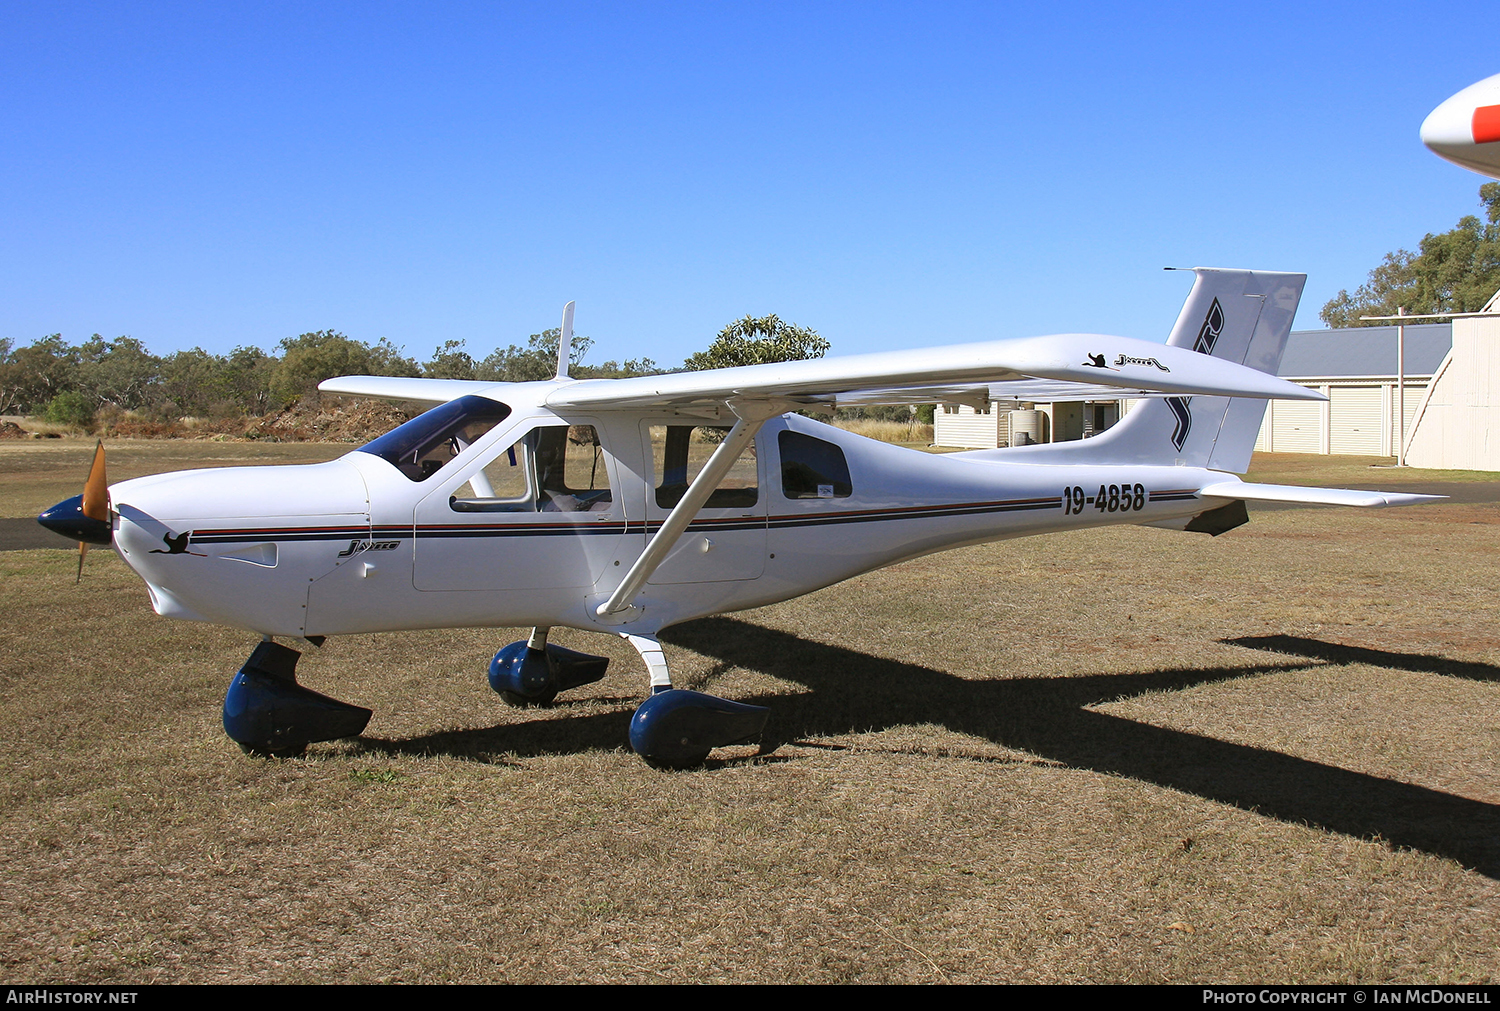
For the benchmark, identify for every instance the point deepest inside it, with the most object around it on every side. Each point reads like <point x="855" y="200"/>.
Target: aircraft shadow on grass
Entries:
<point x="852" y="692"/>
<point x="1333" y="652"/>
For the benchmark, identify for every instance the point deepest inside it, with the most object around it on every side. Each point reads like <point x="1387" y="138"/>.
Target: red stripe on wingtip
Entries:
<point x="1486" y="125"/>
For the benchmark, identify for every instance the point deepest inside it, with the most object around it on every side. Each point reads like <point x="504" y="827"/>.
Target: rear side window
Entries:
<point x="812" y="468"/>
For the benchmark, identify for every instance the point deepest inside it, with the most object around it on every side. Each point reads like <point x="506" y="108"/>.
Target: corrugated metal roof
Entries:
<point x="1365" y="351"/>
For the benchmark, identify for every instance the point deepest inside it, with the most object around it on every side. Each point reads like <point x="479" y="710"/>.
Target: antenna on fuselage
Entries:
<point x="565" y="342"/>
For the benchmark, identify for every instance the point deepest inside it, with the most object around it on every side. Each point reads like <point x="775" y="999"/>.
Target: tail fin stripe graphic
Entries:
<point x="1180" y="410"/>
<point x="1208" y="334"/>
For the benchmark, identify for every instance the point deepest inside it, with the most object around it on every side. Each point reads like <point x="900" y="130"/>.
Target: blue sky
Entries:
<point x="893" y="175"/>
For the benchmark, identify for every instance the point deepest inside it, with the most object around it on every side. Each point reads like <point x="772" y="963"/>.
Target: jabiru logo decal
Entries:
<point x="177" y="544"/>
<point x="357" y="547"/>
<point x="1127" y="360"/>
<point x="1097" y="362"/>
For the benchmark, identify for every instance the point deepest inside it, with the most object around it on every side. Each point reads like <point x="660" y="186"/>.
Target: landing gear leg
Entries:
<point x="676" y="728"/>
<point x="656" y="661"/>
<point x="267" y="713"/>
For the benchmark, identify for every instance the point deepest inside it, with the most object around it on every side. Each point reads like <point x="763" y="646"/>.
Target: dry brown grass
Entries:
<point x="1308" y="468"/>
<point x="1117" y="755"/>
<point x="901" y="432"/>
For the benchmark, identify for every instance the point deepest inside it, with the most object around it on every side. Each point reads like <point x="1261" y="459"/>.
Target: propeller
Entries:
<point x="84" y="518"/>
<point x="95" y="502"/>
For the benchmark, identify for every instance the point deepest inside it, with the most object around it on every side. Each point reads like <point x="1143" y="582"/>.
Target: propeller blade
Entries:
<point x="96" y="488"/>
<point x="95" y="500"/>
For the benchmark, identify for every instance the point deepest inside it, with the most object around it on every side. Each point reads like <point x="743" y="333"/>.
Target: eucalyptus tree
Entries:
<point x="1456" y="271"/>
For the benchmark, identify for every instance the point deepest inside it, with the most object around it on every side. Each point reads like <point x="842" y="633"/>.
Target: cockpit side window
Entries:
<point x="552" y="468"/>
<point x="812" y="468"/>
<point x="679" y="452"/>
<point x="427" y="443"/>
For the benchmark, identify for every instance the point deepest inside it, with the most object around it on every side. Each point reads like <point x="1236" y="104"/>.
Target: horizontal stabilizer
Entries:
<point x="1313" y="496"/>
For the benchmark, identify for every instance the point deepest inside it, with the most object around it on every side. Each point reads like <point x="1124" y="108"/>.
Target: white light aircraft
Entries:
<point x="623" y="506"/>
<point x="1465" y="129"/>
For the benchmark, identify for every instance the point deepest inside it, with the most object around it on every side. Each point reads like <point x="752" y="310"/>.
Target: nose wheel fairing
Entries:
<point x="266" y="712"/>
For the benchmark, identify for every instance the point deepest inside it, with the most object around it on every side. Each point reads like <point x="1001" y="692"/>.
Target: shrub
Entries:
<point x="70" y="407"/>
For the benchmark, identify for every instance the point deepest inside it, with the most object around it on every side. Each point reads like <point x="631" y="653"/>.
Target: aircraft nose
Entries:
<point x="67" y="518"/>
<point x="1466" y="127"/>
<point x="1446" y="126"/>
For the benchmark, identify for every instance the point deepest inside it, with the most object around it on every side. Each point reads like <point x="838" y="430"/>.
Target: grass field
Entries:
<point x="1117" y="755"/>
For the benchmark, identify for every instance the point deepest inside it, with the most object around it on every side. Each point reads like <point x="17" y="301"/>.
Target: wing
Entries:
<point x="1063" y="366"/>
<point x="1096" y="360"/>
<point x="426" y="391"/>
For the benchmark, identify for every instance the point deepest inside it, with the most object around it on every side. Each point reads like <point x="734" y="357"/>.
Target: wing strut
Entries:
<point x="751" y="415"/>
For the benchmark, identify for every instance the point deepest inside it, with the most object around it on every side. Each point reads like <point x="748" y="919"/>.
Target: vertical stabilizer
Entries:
<point x="1242" y="316"/>
<point x="1245" y="317"/>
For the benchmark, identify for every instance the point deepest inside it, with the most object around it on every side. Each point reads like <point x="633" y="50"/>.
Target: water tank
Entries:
<point x="1027" y="427"/>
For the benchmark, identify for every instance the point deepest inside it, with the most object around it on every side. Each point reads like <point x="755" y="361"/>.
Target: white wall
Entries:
<point x="1452" y="428"/>
<point x="1359" y="418"/>
<point x="961" y="425"/>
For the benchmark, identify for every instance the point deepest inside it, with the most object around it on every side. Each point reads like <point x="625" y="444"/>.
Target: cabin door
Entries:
<point x="727" y="540"/>
<point x="538" y="511"/>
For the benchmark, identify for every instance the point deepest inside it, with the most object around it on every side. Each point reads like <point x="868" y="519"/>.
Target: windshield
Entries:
<point x="425" y="444"/>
